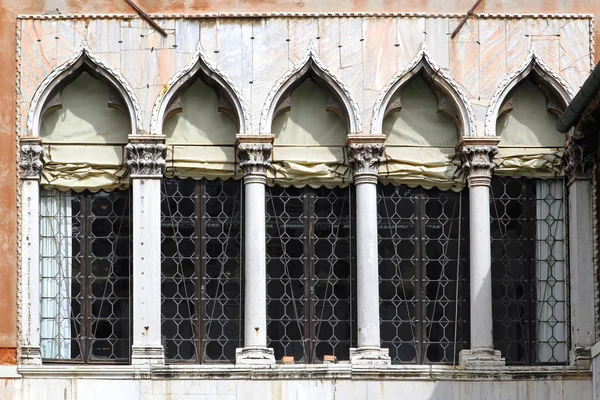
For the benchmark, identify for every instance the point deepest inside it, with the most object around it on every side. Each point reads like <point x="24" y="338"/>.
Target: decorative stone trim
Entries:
<point x="310" y="61"/>
<point x="30" y="355"/>
<point x="364" y="154"/>
<point x="301" y="15"/>
<point x="369" y="356"/>
<point x="146" y="157"/>
<point x="440" y="78"/>
<point x="579" y="162"/>
<point x="477" y="154"/>
<point x="30" y="162"/>
<point x="533" y="62"/>
<point x="112" y="76"/>
<point x="146" y="355"/>
<point x="481" y="359"/>
<point x="200" y="62"/>
<point x="255" y="356"/>
<point x="253" y="154"/>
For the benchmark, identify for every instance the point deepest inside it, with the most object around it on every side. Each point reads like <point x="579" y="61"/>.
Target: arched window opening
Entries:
<point x="201" y="269"/>
<point x="310" y="284"/>
<point x="310" y="129"/>
<point x="421" y="125"/>
<point x="84" y="110"/>
<point x="528" y="206"/>
<point x="85" y="269"/>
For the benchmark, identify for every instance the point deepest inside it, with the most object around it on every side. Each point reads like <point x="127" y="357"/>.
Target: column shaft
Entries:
<point x="367" y="274"/>
<point x="255" y="314"/>
<point x="480" y="277"/>
<point x="146" y="347"/>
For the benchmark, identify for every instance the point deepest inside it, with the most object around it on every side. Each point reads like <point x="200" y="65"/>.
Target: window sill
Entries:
<point x="278" y="372"/>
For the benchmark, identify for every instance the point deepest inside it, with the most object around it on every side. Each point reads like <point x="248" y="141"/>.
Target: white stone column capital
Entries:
<point x="146" y="156"/>
<point x="364" y="154"/>
<point x="579" y="161"/>
<point x="477" y="155"/>
<point x="254" y="154"/>
<point x="31" y="154"/>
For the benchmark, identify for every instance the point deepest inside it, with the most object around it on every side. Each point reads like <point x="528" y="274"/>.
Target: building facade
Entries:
<point x="285" y="205"/>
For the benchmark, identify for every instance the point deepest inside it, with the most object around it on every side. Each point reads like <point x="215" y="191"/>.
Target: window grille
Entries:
<point x="530" y="270"/>
<point x="310" y="284"/>
<point x="85" y="268"/>
<point x="422" y="269"/>
<point x="201" y="269"/>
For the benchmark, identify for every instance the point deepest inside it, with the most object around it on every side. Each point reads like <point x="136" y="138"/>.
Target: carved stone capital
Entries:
<point x="254" y="155"/>
<point x="146" y="157"/>
<point x="477" y="155"/>
<point x="365" y="153"/>
<point x="31" y="162"/>
<point x="579" y="161"/>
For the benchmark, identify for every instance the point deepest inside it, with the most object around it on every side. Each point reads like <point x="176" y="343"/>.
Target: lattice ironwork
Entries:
<point x="85" y="267"/>
<point x="530" y="270"/>
<point x="201" y="270"/>
<point x="310" y="284"/>
<point x="422" y="269"/>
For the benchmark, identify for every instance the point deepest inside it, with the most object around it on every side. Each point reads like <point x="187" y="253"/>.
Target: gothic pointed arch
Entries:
<point x="451" y="99"/>
<point x="556" y="91"/>
<point x="230" y="99"/>
<point x="48" y="95"/>
<point x="341" y="102"/>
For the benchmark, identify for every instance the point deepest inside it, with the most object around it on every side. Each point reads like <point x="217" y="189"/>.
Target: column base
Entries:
<point x="581" y="357"/>
<point x="254" y="356"/>
<point x="370" y="356"/>
<point x="30" y="355"/>
<point x="147" y="355"/>
<point x="480" y="359"/>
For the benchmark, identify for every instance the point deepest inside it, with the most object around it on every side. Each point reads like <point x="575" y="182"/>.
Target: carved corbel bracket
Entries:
<point x="477" y="154"/>
<point x="579" y="160"/>
<point x="254" y="155"/>
<point x="31" y="162"/>
<point x="146" y="156"/>
<point x="365" y="153"/>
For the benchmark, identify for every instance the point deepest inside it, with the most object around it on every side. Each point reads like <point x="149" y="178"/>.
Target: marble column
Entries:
<point x="146" y="162"/>
<point x="365" y="152"/>
<point x="254" y="153"/>
<point x="29" y="277"/>
<point x="477" y="154"/>
<point x="579" y="168"/>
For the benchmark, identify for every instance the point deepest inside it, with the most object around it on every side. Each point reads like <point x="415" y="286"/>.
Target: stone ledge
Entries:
<point x="299" y="371"/>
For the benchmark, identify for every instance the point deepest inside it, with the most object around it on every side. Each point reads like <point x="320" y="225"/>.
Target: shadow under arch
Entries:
<point x="452" y="101"/>
<point x="341" y="101"/>
<point x="557" y="92"/>
<point x="230" y="99"/>
<point x="48" y="95"/>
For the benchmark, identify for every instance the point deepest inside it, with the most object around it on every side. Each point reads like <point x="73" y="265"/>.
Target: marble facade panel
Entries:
<point x="329" y="45"/>
<point x="437" y="40"/>
<point x="517" y="43"/>
<point x="187" y="34"/>
<point x="464" y="66"/>
<point x="547" y="48"/>
<point x="351" y="55"/>
<point x="410" y="37"/>
<point x="301" y="32"/>
<point x="229" y="58"/>
<point x="208" y="39"/>
<point x="492" y="56"/>
<point x="105" y="36"/>
<point x="37" y="54"/>
<point x="574" y="55"/>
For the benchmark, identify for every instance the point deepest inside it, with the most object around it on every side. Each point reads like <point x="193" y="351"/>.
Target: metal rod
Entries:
<point x="146" y="17"/>
<point x="463" y="21"/>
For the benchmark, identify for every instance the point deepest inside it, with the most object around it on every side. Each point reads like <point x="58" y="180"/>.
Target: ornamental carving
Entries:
<point x="254" y="157"/>
<point x="365" y="157"/>
<point x="477" y="161"/>
<point x="579" y="163"/>
<point x="146" y="158"/>
<point x="31" y="163"/>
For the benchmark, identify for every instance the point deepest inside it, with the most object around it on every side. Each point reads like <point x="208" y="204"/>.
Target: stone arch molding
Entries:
<point x="422" y="62"/>
<point x="311" y="63"/>
<point x="532" y="63"/>
<point x="83" y="57"/>
<point x="200" y="64"/>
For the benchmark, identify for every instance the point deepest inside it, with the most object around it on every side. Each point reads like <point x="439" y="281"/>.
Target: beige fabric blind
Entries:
<point x="530" y="146"/>
<point x="80" y="167"/>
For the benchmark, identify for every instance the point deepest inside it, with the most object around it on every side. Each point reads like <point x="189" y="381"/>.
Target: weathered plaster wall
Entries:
<point x="10" y="8"/>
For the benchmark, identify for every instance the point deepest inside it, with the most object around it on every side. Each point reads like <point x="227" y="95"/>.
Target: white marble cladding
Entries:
<point x="292" y="387"/>
<point x="362" y="52"/>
